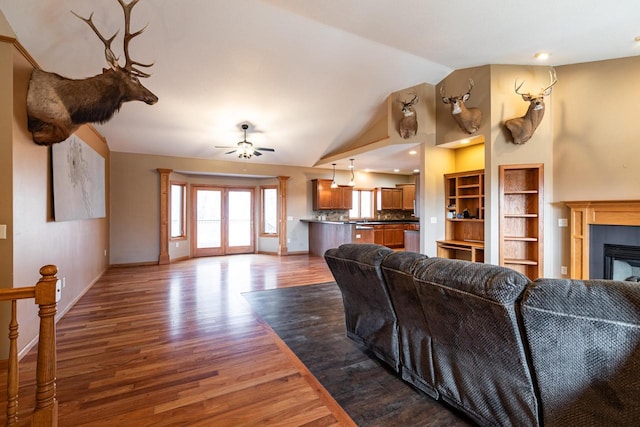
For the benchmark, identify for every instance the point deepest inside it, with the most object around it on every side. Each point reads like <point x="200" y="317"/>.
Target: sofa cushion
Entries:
<point x="479" y="357"/>
<point x="369" y="315"/>
<point x="584" y="338"/>
<point x="413" y="330"/>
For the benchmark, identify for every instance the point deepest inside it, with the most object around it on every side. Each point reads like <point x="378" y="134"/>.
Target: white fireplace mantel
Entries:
<point x="584" y="214"/>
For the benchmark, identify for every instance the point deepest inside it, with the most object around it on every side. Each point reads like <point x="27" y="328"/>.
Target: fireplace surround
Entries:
<point x="588" y="213"/>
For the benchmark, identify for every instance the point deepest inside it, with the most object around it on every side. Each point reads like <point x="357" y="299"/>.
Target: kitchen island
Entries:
<point x="324" y="235"/>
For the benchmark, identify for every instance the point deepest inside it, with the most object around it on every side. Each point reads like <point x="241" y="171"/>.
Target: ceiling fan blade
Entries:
<point x="225" y="146"/>
<point x="230" y="152"/>
<point x="257" y="153"/>
<point x="265" y="149"/>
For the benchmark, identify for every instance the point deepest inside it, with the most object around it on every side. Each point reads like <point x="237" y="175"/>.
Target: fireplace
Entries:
<point x="613" y="248"/>
<point x="622" y="262"/>
<point x="596" y="223"/>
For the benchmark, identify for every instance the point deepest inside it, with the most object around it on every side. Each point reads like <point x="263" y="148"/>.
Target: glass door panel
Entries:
<point x="240" y="221"/>
<point x="222" y="222"/>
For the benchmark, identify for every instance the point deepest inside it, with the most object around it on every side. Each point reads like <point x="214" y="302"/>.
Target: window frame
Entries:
<point x="373" y="203"/>
<point x="183" y="225"/>
<point x="263" y="233"/>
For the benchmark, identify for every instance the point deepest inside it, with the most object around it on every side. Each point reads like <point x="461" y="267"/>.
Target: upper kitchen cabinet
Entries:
<point x="388" y="198"/>
<point x="326" y="198"/>
<point x="408" y="196"/>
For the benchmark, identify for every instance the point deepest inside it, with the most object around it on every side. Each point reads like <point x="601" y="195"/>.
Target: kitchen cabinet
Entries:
<point x="326" y="198"/>
<point x="389" y="198"/>
<point x="394" y="235"/>
<point x="408" y="196"/>
<point x="390" y="235"/>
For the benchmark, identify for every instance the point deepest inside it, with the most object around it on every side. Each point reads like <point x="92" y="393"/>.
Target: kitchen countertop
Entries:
<point x="368" y="222"/>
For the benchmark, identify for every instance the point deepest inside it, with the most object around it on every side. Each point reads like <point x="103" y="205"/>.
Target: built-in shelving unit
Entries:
<point x="464" y="209"/>
<point x="521" y="218"/>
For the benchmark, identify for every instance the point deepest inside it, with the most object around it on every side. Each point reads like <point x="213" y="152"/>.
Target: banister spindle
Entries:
<point x="12" y="371"/>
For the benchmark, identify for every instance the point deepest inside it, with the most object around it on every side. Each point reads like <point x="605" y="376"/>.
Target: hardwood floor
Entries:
<point x="179" y="345"/>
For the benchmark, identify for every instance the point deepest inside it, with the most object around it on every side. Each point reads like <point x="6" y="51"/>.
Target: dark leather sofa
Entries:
<point x="483" y="338"/>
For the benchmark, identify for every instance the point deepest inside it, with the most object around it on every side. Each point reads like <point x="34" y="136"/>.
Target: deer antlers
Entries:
<point x="112" y="60"/>
<point x="546" y="91"/>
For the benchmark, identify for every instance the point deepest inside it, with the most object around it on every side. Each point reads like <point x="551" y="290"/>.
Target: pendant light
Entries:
<point x="333" y="182"/>
<point x="352" y="183"/>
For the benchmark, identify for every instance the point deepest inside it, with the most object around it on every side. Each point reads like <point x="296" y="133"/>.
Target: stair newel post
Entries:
<point x="48" y="293"/>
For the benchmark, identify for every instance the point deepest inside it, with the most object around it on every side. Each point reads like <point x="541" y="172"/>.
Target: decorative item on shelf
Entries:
<point x="352" y="182"/>
<point x="522" y="128"/>
<point x="245" y="149"/>
<point x="408" y="125"/>
<point x="467" y="118"/>
<point x="333" y="180"/>
<point x="53" y="117"/>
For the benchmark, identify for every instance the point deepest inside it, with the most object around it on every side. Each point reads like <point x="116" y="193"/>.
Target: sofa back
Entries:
<point x="369" y="316"/>
<point x="584" y="339"/>
<point x="478" y="349"/>
<point x="413" y="331"/>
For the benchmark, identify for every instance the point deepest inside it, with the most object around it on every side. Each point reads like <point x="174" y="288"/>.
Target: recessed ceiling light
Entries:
<point x="637" y="38"/>
<point x="416" y="170"/>
<point x="367" y="170"/>
<point x="464" y="141"/>
<point x="412" y="152"/>
<point x="396" y="170"/>
<point x="542" y="56"/>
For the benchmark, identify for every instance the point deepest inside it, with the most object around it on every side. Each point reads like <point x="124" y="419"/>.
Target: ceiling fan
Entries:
<point x="245" y="148"/>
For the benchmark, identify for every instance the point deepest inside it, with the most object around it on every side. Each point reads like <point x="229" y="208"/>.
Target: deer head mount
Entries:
<point x="408" y="126"/>
<point x="522" y="128"/>
<point x="57" y="106"/>
<point x="467" y="118"/>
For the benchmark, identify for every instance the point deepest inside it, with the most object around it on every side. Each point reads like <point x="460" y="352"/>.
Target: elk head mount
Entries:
<point x="408" y="126"/>
<point x="522" y="128"/>
<point x="468" y="119"/>
<point x="57" y="106"/>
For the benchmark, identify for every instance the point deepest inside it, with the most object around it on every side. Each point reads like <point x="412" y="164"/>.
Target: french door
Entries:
<point x="222" y="220"/>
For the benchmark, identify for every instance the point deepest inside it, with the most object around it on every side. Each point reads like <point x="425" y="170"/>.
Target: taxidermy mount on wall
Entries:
<point x="467" y="118"/>
<point x="408" y="125"/>
<point x="57" y="106"/>
<point x="522" y="128"/>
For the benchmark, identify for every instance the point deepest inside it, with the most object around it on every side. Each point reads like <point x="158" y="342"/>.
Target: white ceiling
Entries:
<point x="309" y="76"/>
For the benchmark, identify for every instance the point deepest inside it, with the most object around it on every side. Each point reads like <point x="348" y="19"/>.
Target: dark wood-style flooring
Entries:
<point x="180" y="345"/>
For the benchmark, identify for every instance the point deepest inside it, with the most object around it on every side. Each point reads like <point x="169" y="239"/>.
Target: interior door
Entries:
<point x="222" y="221"/>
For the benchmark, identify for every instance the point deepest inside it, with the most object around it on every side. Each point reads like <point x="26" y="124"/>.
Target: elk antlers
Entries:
<point x="112" y="60"/>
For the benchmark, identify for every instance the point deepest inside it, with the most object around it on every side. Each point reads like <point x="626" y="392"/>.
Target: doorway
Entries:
<point x="222" y="220"/>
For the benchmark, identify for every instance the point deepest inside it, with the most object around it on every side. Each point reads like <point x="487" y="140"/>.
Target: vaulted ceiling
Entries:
<point x="308" y="76"/>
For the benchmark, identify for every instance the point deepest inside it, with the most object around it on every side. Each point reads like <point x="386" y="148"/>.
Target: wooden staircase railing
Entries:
<point x="47" y="294"/>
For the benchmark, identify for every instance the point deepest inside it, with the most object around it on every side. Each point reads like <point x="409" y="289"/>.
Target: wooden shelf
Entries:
<point x="520" y="261"/>
<point x="531" y="215"/>
<point x="521" y="218"/>
<point x="521" y="239"/>
<point x="464" y="237"/>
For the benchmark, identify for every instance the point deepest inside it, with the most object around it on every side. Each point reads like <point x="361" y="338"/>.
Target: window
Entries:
<point x="178" y="210"/>
<point x="269" y="211"/>
<point x="362" y="204"/>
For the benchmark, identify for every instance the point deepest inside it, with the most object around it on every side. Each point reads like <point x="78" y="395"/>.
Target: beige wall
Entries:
<point x="76" y="247"/>
<point x="6" y="182"/>
<point x="596" y="140"/>
<point x="135" y="207"/>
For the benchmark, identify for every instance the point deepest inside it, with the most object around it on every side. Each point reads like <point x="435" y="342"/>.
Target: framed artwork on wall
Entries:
<point x="78" y="181"/>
